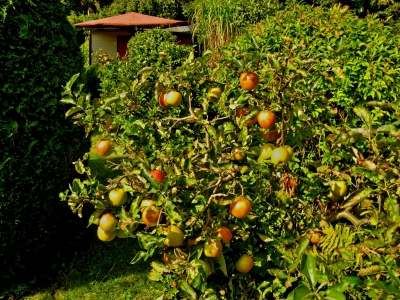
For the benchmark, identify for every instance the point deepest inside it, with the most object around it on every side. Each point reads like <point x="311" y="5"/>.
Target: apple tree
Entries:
<point x="256" y="170"/>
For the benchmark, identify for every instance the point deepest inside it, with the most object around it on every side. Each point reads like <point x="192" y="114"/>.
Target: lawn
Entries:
<point x="103" y="271"/>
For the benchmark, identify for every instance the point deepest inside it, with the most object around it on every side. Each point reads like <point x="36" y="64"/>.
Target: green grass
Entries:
<point x="103" y="271"/>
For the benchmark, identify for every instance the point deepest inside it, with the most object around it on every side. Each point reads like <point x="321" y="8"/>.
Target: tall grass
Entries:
<point x="216" y="22"/>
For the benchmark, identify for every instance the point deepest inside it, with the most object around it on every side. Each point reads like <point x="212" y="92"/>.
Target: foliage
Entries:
<point x="333" y="82"/>
<point x="383" y="8"/>
<point x="215" y="23"/>
<point x="155" y="48"/>
<point x="38" y="54"/>
<point x="159" y="8"/>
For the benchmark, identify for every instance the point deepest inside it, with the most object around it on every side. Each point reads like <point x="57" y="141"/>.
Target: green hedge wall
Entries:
<point x="38" y="54"/>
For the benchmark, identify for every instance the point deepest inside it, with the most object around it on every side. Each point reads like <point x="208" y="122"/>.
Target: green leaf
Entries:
<point x="68" y="100"/>
<point x="94" y="218"/>
<point x="243" y="134"/>
<point x="159" y="267"/>
<point x="332" y="294"/>
<point x="109" y="101"/>
<point x="72" y="110"/>
<point x="69" y="84"/>
<point x="302" y="293"/>
<point x="390" y="288"/>
<point x="364" y="114"/>
<point x="354" y="281"/>
<point x="222" y="264"/>
<point x="304" y="242"/>
<point x="338" y="72"/>
<point x="184" y="286"/>
<point x="394" y="277"/>
<point x="139" y="256"/>
<point x="79" y="166"/>
<point x="211" y="131"/>
<point x="387" y="128"/>
<point x="146" y="174"/>
<point x="308" y="268"/>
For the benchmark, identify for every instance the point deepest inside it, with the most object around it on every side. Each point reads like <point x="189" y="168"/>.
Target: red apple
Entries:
<point x="249" y="81"/>
<point x="161" y="100"/>
<point x="158" y="175"/>
<point x="270" y="135"/>
<point x="241" y="112"/>
<point x="266" y="119"/>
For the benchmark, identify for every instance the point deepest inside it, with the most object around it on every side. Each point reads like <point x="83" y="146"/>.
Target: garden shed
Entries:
<point x="112" y="34"/>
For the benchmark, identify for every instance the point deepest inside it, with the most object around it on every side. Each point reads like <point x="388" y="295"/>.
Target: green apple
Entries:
<point x="198" y="264"/>
<point x="266" y="151"/>
<point x="118" y="197"/>
<point x="280" y="156"/>
<point x="214" y="93"/>
<point x="339" y="188"/>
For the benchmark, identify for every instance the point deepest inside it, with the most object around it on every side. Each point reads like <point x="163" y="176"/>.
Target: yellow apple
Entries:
<point x="280" y="156"/>
<point x="118" y="197"/>
<point x="175" y="236"/>
<point x="214" y="93"/>
<point x="266" y="151"/>
<point x="339" y="188"/>
<point x="173" y="98"/>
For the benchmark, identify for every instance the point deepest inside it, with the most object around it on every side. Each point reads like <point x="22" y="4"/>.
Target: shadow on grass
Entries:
<point x="103" y="272"/>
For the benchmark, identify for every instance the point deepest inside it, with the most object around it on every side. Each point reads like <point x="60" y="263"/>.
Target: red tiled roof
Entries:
<point x="131" y="19"/>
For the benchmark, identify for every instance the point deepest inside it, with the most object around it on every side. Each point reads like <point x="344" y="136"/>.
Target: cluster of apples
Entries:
<point x="109" y="225"/>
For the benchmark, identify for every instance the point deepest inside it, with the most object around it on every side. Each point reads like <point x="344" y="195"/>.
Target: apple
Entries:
<point x="150" y="215"/>
<point x="266" y="151"/>
<point x="103" y="147"/>
<point x="266" y="119"/>
<point x="173" y="98"/>
<point x="332" y="197"/>
<point x="244" y="264"/>
<point x="106" y="236"/>
<point x="224" y="234"/>
<point x="161" y="100"/>
<point x="199" y="264"/>
<point x="241" y="112"/>
<point x="240" y="207"/>
<point x="118" y="197"/>
<point x="280" y="156"/>
<point x="214" y="93"/>
<point x="238" y="153"/>
<point x="290" y="151"/>
<point x="147" y="202"/>
<point x="248" y="81"/>
<point x="158" y="175"/>
<point x="175" y="236"/>
<point x="108" y="222"/>
<point x="212" y="247"/>
<point x="339" y="188"/>
<point x="270" y="135"/>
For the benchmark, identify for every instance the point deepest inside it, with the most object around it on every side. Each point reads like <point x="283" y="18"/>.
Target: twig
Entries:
<point x="349" y="216"/>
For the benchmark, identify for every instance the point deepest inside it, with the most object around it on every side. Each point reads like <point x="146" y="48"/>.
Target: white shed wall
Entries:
<point x="106" y="41"/>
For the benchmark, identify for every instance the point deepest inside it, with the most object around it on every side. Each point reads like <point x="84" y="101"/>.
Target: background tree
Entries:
<point x="38" y="53"/>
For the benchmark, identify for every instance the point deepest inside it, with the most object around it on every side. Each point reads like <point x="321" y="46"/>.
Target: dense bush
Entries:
<point x="333" y="82"/>
<point x="155" y="47"/>
<point x="38" y="53"/>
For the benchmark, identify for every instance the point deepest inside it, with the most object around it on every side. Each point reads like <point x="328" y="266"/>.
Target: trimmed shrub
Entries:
<point x="156" y="47"/>
<point x="38" y="53"/>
